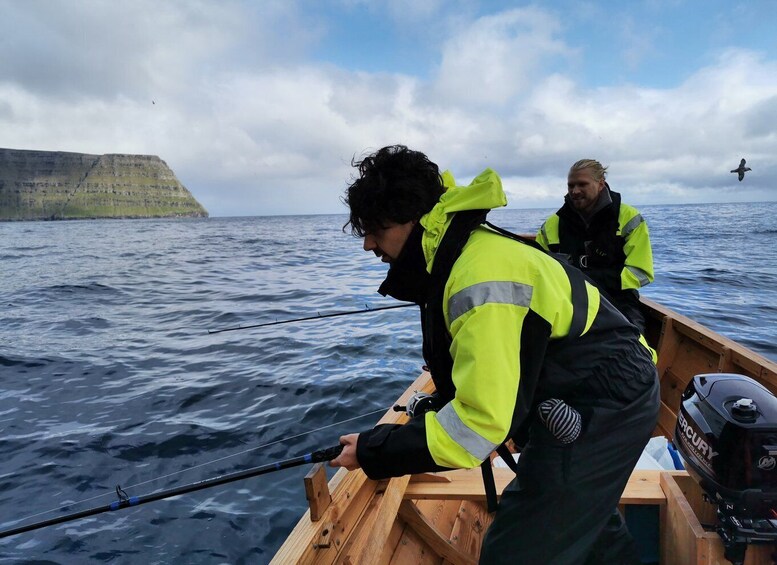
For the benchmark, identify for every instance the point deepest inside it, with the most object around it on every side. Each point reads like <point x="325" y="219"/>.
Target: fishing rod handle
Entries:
<point x="327" y="454"/>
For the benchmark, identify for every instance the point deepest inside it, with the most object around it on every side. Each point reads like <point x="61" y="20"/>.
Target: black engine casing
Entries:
<point x="730" y="445"/>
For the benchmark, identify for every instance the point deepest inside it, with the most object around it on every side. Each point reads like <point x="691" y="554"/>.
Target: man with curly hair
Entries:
<point x="519" y="345"/>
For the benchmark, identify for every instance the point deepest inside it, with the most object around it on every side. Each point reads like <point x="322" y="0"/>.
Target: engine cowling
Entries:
<point x="727" y="434"/>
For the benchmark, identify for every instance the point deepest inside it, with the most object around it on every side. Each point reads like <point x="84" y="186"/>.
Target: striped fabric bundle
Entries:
<point x="563" y="421"/>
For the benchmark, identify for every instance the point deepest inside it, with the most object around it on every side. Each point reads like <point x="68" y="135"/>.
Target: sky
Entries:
<point x="260" y="107"/>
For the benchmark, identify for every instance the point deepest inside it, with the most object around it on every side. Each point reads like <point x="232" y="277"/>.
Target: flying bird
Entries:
<point x="741" y="170"/>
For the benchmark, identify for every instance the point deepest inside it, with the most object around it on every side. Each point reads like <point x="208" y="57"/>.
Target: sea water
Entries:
<point x="110" y="375"/>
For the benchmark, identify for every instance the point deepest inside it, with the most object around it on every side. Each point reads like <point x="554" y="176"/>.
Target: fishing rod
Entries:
<point x="126" y="501"/>
<point x="316" y="317"/>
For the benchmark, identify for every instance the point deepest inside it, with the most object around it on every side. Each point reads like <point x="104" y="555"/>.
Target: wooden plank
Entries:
<point x="426" y="530"/>
<point x="397" y="530"/>
<point x="429" y="478"/>
<point x="699" y="334"/>
<point x="374" y="531"/>
<point x="766" y="375"/>
<point x="745" y="363"/>
<point x="725" y="365"/>
<point x="367" y="517"/>
<point x="412" y="549"/>
<point x="693" y="358"/>
<point x="667" y="420"/>
<point x="325" y="540"/>
<point x="672" y="388"/>
<point x="681" y="530"/>
<point x="464" y="524"/>
<point x="470" y="528"/>
<point x="399" y="540"/>
<point x="463" y="484"/>
<point x="644" y="487"/>
<point x="441" y="513"/>
<point x="666" y="348"/>
<point x="317" y="491"/>
<point x="705" y="512"/>
<point x="467" y="484"/>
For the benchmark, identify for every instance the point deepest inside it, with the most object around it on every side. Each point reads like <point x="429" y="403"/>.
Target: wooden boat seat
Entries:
<point x="467" y="484"/>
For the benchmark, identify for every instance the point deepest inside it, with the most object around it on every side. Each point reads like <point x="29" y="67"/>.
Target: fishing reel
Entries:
<point x="420" y="403"/>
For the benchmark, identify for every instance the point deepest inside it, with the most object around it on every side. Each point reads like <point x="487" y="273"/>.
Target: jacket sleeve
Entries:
<point x="638" y="268"/>
<point x="541" y="238"/>
<point x="393" y="450"/>
<point x="547" y="235"/>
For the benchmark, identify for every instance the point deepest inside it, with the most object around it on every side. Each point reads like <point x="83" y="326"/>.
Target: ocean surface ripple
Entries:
<point x="110" y="376"/>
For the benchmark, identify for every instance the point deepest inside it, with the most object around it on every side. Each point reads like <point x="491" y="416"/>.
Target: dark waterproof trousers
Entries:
<point x="562" y="506"/>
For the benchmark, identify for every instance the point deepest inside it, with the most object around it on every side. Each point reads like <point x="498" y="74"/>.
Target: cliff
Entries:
<point x="57" y="185"/>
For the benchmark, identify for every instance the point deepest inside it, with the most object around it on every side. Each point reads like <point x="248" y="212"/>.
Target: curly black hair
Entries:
<point x="395" y="184"/>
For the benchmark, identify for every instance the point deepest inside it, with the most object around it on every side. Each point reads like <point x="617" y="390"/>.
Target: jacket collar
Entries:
<point x="407" y="278"/>
<point x="607" y="198"/>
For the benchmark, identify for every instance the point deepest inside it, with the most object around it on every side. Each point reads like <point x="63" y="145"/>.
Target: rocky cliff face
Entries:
<point x="55" y="185"/>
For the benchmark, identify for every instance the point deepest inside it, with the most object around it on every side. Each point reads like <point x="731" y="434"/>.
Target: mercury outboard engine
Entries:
<point x="727" y="433"/>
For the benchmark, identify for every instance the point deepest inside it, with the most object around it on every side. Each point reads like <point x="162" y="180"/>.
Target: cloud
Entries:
<point x="760" y="119"/>
<point x="496" y="57"/>
<point x="143" y="48"/>
<point x="252" y="122"/>
<point x="104" y="49"/>
<point x="685" y="136"/>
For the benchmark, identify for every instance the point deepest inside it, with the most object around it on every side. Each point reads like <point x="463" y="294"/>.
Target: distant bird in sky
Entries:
<point x="741" y="170"/>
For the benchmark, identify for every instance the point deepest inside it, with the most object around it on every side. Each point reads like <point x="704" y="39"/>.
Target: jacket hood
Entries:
<point x="484" y="192"/>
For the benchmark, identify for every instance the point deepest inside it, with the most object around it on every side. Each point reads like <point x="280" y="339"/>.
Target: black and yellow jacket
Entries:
<point x="507" y="310"/>
<point x="613" y="247"/>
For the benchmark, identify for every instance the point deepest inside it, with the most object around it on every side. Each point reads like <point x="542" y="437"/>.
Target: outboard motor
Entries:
<point x="727" y="433"/>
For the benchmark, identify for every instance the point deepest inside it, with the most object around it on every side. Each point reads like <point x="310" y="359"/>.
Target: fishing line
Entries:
<point x="66" y="504"/>
<point x="318" y="316"/>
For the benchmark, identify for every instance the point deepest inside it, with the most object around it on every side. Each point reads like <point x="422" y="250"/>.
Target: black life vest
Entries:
<point x="596" y="241"/>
